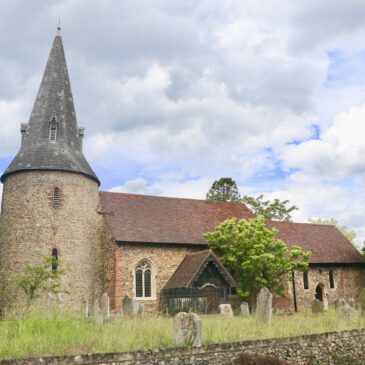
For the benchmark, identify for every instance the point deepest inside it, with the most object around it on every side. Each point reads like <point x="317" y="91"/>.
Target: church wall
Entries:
<point x="164" y="259"/>
<point x="348" y="282"/>
<point x="31" y="227"/>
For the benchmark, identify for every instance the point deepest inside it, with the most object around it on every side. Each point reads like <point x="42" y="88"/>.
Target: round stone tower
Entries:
<point x="50" y="195"/>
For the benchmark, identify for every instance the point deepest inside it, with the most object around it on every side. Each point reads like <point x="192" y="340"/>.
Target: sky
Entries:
<point x="176" y="94"/>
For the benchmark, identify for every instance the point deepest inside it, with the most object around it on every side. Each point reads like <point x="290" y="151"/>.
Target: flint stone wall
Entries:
<point x="302" y="350"/>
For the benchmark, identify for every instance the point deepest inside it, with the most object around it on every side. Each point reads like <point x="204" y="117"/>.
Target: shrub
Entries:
<point x="249" y="359"/>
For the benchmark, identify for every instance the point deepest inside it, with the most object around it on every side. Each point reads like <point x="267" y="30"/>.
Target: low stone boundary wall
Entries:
<point x="303" y="350"/>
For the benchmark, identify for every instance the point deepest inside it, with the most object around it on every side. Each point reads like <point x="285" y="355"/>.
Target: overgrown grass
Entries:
<point x="40" y="335"/>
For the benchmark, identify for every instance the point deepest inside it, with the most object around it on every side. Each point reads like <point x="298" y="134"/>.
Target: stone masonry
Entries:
<point x="31" y="228"/>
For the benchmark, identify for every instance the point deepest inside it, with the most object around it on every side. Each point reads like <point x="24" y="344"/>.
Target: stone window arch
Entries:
<point x="144" y="281"/>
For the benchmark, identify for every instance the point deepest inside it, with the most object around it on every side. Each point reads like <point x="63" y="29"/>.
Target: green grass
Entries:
<point x="38" y="335"/>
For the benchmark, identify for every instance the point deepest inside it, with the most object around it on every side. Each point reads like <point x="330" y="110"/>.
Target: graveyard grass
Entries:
<point x="40" y="335"/>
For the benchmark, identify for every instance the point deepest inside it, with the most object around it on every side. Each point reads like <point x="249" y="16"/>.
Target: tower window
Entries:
<point x="332" y="279"/>
<point x="53" y="128"/>
<point x="305" y="280"/>
<point x="143" y="280"/>
<point x="54" y="257"/>
<point x="56" y="198"/>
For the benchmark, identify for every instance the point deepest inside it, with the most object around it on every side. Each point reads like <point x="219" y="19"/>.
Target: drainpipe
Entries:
<point x="294" y="293"/>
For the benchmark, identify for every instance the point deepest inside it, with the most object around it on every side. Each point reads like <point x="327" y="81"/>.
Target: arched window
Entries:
<point x="143" y="279"/>
<point x="305" y="280"/>
<point x="56" y="198"/>
<point x="54" y="257"/>
<point x="332" y="279"/>
<point x="53" y="128"/>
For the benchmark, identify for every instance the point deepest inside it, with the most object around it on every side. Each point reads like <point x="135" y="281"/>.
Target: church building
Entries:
<point x="148" y="248"/>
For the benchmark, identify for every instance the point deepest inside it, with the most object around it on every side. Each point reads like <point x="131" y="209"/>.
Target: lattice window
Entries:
<point x="56" y="198"/>
<point x="54" y="257"/>
<point x="143" y="279"/>
<point x="332" y="279"/>
<point x="53" y="129"/>
<point x="305" y="280"/>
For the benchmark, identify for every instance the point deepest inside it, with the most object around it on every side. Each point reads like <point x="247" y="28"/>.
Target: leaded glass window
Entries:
<point x="143" y="280"/>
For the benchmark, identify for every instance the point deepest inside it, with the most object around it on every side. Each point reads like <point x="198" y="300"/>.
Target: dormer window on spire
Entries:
<point x="53" y="124"/>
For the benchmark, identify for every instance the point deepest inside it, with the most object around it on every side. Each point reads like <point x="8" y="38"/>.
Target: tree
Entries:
<point x="276" y="210"/>
<point x="38" y="279"/>
<point x="254" y="255"/>
<point x="224" y="189"/>
<point x="350" y="235"/>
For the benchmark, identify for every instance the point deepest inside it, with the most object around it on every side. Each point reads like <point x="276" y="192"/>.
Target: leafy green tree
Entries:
<point x="350" y="235"/>
<point x="254" y="255"/>
<point x="276" y="210"/>
<point x="42" y="278"/>
<point x="224" y="189"/>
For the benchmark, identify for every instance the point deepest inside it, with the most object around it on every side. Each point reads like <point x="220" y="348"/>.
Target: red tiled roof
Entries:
<point x="326" y="242"/>
<point x="154" y="219"/>
<point x="191" y="266"/>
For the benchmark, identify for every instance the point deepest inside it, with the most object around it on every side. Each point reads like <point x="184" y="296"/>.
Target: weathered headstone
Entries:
<point x="264" y="306"/>
<point x="84" y="308"/>
<point x="51" y="303"/>
<point x="105" y="307"/>
<point x="225" y="310"/>
<point x="127" y="306"/>
<point x="245" y="311"/>
<point x="345" y="311"/>
<point x="187" y="329"/>
<point x="98" y="318"/>
<point x="317" y="307"/>
<point x="132" y="307"/>
<point x="351" y="302"/>
<point x="59" y="302"/>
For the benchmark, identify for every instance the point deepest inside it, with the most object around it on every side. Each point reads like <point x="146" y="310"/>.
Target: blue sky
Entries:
<point x="175" y="94"/>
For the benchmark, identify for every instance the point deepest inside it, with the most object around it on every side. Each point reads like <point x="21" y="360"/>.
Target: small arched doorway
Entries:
<point x="319" y="292"/>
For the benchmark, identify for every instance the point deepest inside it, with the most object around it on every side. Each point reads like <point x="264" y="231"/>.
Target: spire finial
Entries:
<point x="59" y="26"/>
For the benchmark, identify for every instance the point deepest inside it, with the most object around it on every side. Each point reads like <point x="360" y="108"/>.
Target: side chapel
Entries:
<point x="145" y="247"/>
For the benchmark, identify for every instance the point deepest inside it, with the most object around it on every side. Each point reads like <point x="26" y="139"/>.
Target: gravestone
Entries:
<point x="132" y="307"/>
<point x="51" y="303"/>
<point x="345" y="311"/>
<point x="244" y="309"/>
<point x="352" y="303"/>
<point x="59" y="302"/>
<point x="105" y="307"/>
<point x="225" y="310"/>
<point x="264" y="306"/>
<point x="187" y="329"/>
<point x="127" y="306"/>
<point x="317" y="307"/>
<point x="84" y="308"/>
<point x="98" y="317"/>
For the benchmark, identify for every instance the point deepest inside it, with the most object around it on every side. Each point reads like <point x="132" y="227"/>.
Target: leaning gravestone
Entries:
<point x="225" y="310"/>
<point x="317" y="307"/>
<point x="187" y="329"/>
<point x="244" y="309"/>
<point x="264" y="306"/>
<point x="105" y="307"/>
<point x="98" y="317"/>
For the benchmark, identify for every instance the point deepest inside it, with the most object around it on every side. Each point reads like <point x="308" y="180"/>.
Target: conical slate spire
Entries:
<point x="52" y="140"/>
